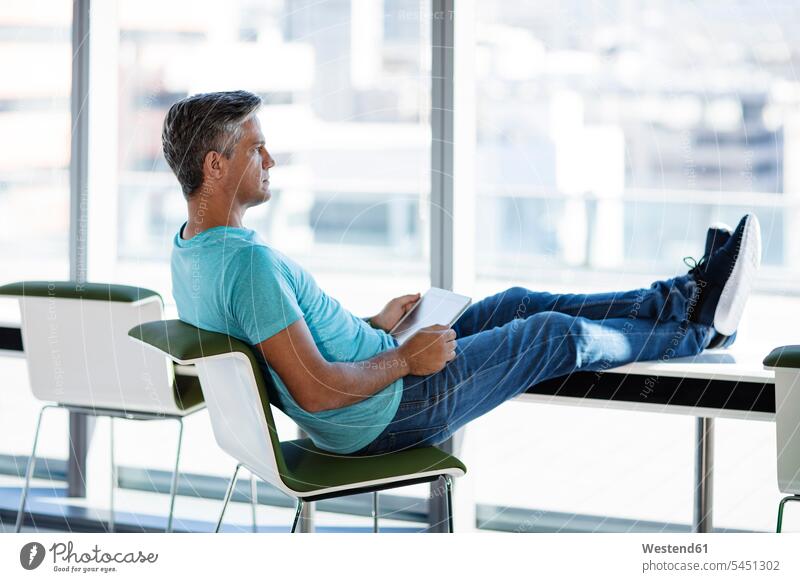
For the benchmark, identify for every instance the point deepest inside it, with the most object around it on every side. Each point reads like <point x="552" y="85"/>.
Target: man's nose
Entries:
<point x="266" y="161"/>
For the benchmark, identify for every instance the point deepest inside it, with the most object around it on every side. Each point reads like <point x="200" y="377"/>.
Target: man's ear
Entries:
<point x="213" y="166"/>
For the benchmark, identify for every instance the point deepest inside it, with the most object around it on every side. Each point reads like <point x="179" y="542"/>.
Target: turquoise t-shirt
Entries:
<point x="228" y="280"/>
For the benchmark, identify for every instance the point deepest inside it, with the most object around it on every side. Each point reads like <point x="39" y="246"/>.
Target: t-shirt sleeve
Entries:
<point x="262" y="297"/>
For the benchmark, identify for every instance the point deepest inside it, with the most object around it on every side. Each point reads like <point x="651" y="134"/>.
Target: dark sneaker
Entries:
<point x="725" y="278"/>
<point x="719" y="341"/>
<point x="718" y="234"/>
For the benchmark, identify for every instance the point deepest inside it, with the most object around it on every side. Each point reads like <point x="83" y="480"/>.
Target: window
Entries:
<point x="619" y="141"/>
<point x="346" y="90"/>
<point x="35" y="63"/>
<point x="608" y="137"/>
<point x="35" y="152"/>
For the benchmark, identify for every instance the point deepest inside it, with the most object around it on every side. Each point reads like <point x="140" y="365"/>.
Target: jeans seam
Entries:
<point x="434" y="427"/>
<point x="567" y="310"/>
<point x="392" y="437"/>
<point x="433" y="399"/>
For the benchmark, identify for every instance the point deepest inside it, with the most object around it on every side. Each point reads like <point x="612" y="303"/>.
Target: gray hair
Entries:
<point x="202" y="123"/>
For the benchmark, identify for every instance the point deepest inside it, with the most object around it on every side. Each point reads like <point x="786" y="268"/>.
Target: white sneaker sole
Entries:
<point x="737" y="288"/>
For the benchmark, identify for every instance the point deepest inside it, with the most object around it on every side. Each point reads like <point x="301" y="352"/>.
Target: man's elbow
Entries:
<point x="313" y="405"/>
<point x="310" y="405"/>
<point x="318" y="395"/>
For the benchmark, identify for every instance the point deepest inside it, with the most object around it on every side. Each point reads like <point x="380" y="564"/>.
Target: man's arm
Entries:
<point x="317" y="385"/>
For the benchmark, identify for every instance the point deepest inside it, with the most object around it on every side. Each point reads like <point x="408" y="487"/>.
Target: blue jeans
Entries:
<point x="511" y="341"/>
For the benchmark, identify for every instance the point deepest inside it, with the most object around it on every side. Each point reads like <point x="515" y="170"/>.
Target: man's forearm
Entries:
<point x="345" y="383"/>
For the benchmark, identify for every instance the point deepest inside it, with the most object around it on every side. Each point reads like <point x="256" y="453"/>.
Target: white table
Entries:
<point x="714" y="384"/>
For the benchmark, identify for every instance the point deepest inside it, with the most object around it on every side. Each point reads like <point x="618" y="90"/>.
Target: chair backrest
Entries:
<point x="235" y="392"/>
<point x="75" y="337"/>
<point x="785" y="361"/>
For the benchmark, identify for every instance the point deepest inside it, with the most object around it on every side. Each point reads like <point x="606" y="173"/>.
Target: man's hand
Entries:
<point x="394" y="311"/>
<point x="429" y="350"/>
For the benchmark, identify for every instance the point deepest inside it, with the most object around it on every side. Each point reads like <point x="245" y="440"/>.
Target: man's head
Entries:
<point x="213" y="142"/>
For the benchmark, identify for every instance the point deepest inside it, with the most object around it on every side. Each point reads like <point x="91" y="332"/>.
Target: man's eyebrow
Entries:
<point x="259" y="142"/>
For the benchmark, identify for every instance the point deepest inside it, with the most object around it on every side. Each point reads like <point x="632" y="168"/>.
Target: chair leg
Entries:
<point x="173" y="488"/>
<point x="374" y="512"/>
<point x="448" y="482"/>
<point x="254" y="500"/>
<point x="228" y="494"/>
<point x="111" y="521"/>
<point x="780" y="509"/>
<point x="29" y="471"/>
<point x="297" y="514"/>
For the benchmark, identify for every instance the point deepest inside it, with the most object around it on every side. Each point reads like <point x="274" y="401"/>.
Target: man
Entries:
<point x="345" y="380"/>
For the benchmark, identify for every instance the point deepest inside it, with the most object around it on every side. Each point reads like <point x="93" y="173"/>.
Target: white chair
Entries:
<point x="238" y="394"/>
<point x="785" y="361"/>
<point x="75" y="337"/>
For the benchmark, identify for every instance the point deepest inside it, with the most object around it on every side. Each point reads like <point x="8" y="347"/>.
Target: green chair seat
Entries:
<point x="183" y="341"/>
<point x="783" y="357"/>
<point x="75" y="290"/>
<point x="311" y="469"/>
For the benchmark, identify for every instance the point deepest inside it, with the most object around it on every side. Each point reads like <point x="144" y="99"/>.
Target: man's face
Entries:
<point x="247" y="173"/>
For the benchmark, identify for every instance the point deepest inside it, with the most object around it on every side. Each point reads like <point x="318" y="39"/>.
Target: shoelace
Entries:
<point x="694" y="264"/>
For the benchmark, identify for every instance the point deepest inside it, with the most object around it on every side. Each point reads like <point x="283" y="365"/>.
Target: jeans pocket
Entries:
<point x="417" y="437"/>
<point x="414" y="406"/>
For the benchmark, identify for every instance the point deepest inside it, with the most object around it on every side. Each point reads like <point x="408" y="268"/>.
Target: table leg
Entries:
<point x="703" y="476"/>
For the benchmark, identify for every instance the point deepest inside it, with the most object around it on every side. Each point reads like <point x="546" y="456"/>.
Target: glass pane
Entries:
<point x="346" y="90"/>
<point x="609" y="136"/>
<point x="621" y="141"/>
<point x="35" y="65"/>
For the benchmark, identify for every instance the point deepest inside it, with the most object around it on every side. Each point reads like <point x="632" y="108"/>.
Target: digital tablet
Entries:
<point x="437" y="306"/>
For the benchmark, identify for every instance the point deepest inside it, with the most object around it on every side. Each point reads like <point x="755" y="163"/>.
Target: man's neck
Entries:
<point x="201" y="219"/>
<point x="194" y="227"/>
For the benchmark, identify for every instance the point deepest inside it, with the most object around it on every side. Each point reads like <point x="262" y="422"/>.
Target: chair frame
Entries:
<point x="780" y="510"/>
<point x="448" y="480"/>
<point x="111" y="415"/>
